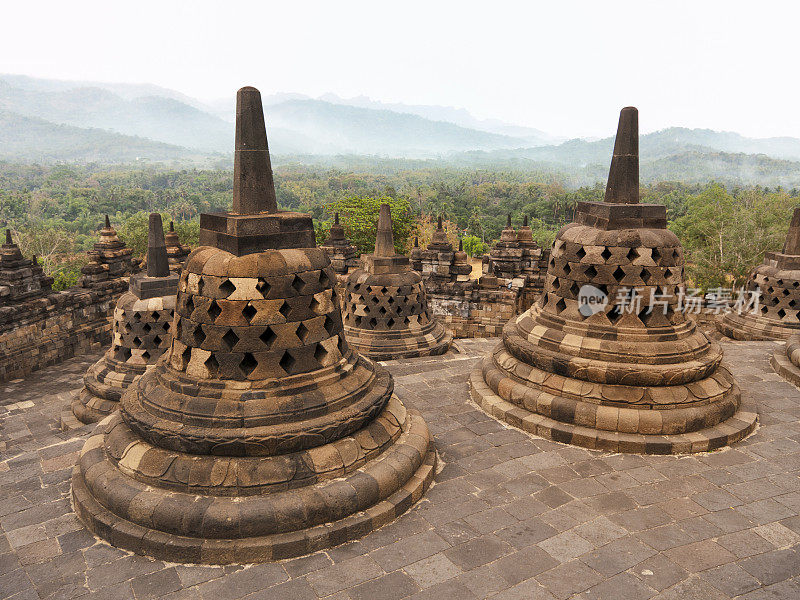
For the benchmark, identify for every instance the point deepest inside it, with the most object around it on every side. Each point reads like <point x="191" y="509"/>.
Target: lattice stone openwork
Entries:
<point x="629" y="372"/>
<point x="261" y="434"/>
<point x="141" y="332"/>
<point x="386" y="310"/>
<point x="777" y="284"/>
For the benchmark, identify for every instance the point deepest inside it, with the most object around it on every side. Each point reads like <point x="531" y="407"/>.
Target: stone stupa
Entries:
<point x="340" y="251"/>
<point x="260" y="435"/>
<point x="141" y="333"/>
<point x="20" y="278"/>
<point x="777" y="316"/>
<point x="386" y="314"/>
<point x="584" y="366"/>
<point x="109" y="258"/>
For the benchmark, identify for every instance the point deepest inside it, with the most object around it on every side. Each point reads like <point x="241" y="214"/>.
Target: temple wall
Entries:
<point x="45" y="331"/>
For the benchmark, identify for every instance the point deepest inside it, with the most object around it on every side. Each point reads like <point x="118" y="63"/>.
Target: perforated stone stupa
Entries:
<point x="261" y="435"/>
<point x="142" y="331"/>
<point x="645" y="380"/>
<point x="778" y="280"/>
<point x="386" y="313"/>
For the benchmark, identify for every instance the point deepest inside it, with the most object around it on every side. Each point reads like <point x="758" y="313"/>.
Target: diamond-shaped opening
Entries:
<point x="320" y="354"/>
<point x="314" y="304"/>
<point x="146" y="355"/>
<point x="632" y="254"/>
<point x="166" y="326"/>
<point x="373" y="323"/>
<point x="618" y="274"/>
<point x="770" y="289"/>
<point x="268" y="337"/>
<point x="358" y="321"/>
<point x="146" y="327"/>
<point x="591" y="272"/>
<point x="785" y="292"/>
<point x="384" y="290"/>
<point x="645" y="314"/>
<point x="138" y="317"/>
<point x="781" y="313"/>
<point x="302" y="333"/>
<point x="263" y="287"/>
<point x="127" y="328"/>
<point x="567" y="268"/>
<point x="249" y="312"/>
<point x="614" y="315"/>
<point x="212" y="365"/>
<point x="792" y="303"/>
<point x="155" y="316"/>
<point x="654" y="252"/>
<point x="199" y="335"/>
<point x="157" y="340"/>
<point x="356" y="287"/>
<point x="774" y="301"/>
<point x="214" y="310"/>
<point x="780" y="281"/>
<point x="390" y="322"/>
<point x="574" y="289"/>
<point x="227" y="288"/>
<point x="186" y="356"/>
<point x="556" y="283"/>
<point x="230" y="339"/>
<point x="298" y="284"/>
<point x="285" y="310"/>
<point x="200" y="285"/>
<point x="552" y="263"/>
<point x="137" y="342"/>
<point x="248" y="364"/>
<point x="189" y="306"/>
<point x="675" y="253"/>
<point x="375" y="300"/>
<point x="390" y="300"/>
<point x="580" y="253"/>
<point x="382" y="310"/>
<point x="795" y="284"/>
<point x="561" y="306"/>
<point x="329" y="325"/>
<point x="124" y="354"/>
<point x="288" y="363"/>
<point x="764" y="310"/>
<point x="645" y="275"/>
<point x="324" y="280"/>
<point x="667" y="273"/>
<point x="606" y="253"/>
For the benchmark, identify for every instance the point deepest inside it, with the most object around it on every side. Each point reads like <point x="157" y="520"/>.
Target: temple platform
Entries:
<point x="510" y="515"/>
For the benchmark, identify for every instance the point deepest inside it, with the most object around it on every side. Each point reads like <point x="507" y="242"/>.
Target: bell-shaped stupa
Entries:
<point x="260" y="435"/>
<point x="386" y="313"/>
<point x="340" y="251"/>
<point x="606" y="358"/>
<point x="776" y="285"/>
<point x="141" y="332"/>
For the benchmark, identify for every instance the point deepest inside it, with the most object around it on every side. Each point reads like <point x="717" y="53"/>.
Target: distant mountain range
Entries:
<point x="79" y="121"/>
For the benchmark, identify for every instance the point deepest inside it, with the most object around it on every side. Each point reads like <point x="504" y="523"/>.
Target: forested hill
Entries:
<point x="29" y="139"/>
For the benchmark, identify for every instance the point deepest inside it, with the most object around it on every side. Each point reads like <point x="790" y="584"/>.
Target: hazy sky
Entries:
<point x="564" y="67"/>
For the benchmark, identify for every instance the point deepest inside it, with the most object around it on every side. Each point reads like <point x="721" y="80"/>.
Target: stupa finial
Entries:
<point x="623" y="176"/>
<point x="157" y="263"/>
<point x="108" y="222"/>
<point x="253" y="186"/>
<point x="439" y="222"/>
<point x="171" y="226"/>
<point x="384" y="241"/>
<point x="792" y="245"/>
<point x="336" y="218"/>
<point x="525" y="221"/>
<point x="8" y="237"/>
<point x="508" y="220"/>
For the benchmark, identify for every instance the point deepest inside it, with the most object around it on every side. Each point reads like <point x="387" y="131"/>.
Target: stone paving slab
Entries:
<point x="510" y="515"/>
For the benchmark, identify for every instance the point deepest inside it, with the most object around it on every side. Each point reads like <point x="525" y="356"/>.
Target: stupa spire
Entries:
<point x="253" y="186"/>
<point x="792" y="245"/>
<point x="623" y="176"/>
<point x="384" y="241"/>
<point x="8" y="237"/>
<point x="508" y="220"/>
<point x="108" y="222"/>
<point x="157" y="263"/>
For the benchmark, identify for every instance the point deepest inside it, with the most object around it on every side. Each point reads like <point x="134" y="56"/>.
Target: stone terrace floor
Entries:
<point x="510" y="516"/>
